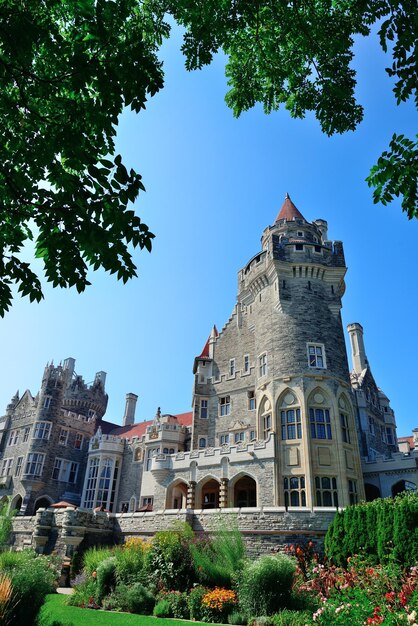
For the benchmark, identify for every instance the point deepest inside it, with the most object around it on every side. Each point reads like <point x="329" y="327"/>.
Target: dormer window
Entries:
<point x="300" y="233"/>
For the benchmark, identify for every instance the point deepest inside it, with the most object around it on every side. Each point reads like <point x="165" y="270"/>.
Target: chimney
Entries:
<point x="358" y="352"/>
<point x="129" y="416"/>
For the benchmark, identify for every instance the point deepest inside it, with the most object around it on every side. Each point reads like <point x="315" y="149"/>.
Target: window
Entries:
<point x="320" y="424"/>
<point x="26" y="434"/>
<point x="19" y="465"/>
<point x="300" y="233"/>
<point x="316" y="355"/>
<point x="352" y="491"/>
<point x="266" y="426"/>
<point x="147" y="501"/>
<point x="78" y="441"/>
<point x="91" y="413"/>
<point x="92" y="473"/>
<point x="151" y="452"/>
<point x="239" y="437"/>
<point x="104" y="483"/>
<point x="299" y="247"/>
<point x="202" y="442"/>
<point x="262" y="364"/>
<point x="251" y="400"/>
<point x="63" y="438"/>
<point x="246" y="363"/>
<point x="232" y="367"/>
<point x="389" y="436"/>
<point x="42" y="430"/>
<point x="225" y="405"/>
<point x="252" y="435"/>
<point x="13" y="438"/>
<point x="326" y="491"/>
<point x="294" y="491"/>
<point x="47" y="402"/>
<point x="371" y="426"/>
<point x="204" y="409"/>
<point x="224" y="439"/>
<point x="318" y="249"/>
<point x="344" y="428"/>
<point x="6" y="467"/>
<point x="291" y="424"/>
<point x="64" y="470"/>
<point x="34" y="464"/>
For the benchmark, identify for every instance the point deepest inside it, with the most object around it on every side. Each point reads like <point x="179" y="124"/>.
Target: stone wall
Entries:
<point x="264" y="529"/>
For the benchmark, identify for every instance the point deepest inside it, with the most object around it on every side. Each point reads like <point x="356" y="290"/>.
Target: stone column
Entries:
<point x="191" y="494"/>
<point x="223" y="493"/>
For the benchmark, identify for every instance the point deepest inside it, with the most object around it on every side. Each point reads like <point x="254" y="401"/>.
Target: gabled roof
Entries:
<point x="289" y="211"/>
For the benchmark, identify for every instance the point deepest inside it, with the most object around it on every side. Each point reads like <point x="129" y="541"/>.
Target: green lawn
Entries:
<point x="55" y="610"/>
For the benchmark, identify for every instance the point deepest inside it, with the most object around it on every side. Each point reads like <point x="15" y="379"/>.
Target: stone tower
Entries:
<point x="279" y="366"/>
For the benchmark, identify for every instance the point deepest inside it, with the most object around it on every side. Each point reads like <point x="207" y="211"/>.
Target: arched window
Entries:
<point x="265" y="419"/>
<point x="202" y="442"/>
<point x="132" y="504"/>
<point x="326" y="491"/>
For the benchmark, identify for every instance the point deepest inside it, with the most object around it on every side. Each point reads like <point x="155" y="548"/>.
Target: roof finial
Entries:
<point x="287" y="195"/>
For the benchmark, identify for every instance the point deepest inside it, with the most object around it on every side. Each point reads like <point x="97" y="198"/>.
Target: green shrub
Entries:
<point x="197" y="610"/>
<point x="83" y="593"/>
<point x="106" y="577"/>
<point x="130" y="560"/>
<point x="93" y="557"/>
<point x="291" y="618"/>
<point x="6" y="524"/>
<point x="134" y="599"/>
<point x="383" y="530"/>
<point x="168" y="561"/>
<point x="178" y="603"/>
<point x="237" y="619"/>
<point x="218" y="560"/>
<point x="162" y="609"/>
<point x="32" y="577"/>
<point x="264" y="585"/>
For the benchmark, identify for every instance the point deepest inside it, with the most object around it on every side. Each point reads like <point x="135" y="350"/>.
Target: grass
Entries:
<point x="56" y="611"/>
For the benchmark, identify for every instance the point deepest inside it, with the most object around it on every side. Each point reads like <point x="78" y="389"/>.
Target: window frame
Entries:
<point x="37" y="460"/>
<point x="246" y="363"/>
<point x="321" y="355"/>
<point x="294" y="486"/>
<point x="43" y="426"/>
<point x="231" y="369"/>
<point x="291" y="429"/>
<point x="65" y="440"/>
<point x="322" y="426"/>
<point x="224" y="405"/>
<point x="262" y="365"/>
<point x="321" y="491"/>
<point x="78" y="437"/>
<point x="203" y="408"/>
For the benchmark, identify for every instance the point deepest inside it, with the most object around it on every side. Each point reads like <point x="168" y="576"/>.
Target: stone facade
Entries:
<point x="280" y="432"/>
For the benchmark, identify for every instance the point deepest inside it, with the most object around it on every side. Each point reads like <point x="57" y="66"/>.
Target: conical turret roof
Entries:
<point x="289" y="211"/>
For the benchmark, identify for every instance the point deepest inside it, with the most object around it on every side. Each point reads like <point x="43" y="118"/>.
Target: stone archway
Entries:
<point x="402" y="485"/>
<point x="177" y="495"/>
<point x="16" y="503"/>
<point x="210" y="494"/>
<point x="42" y="503"/>
<point x="245" y="492"/>
<point x="372" y="492"/>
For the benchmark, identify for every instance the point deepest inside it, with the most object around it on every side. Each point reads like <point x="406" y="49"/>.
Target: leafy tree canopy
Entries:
<point x="67" y="70"/>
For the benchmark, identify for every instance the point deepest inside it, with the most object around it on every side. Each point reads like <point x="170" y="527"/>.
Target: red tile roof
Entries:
<point x="409" y="440"/>
<point x="137" y="430"/>
<point x="289" y="211"/>
<point x="205" y="351"/>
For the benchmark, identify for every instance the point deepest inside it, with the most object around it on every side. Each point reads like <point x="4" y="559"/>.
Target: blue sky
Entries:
<point x="213" y="184"/>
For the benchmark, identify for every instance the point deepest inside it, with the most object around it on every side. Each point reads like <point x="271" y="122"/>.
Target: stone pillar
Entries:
<point x="191" y="494"/>
<point x="223" y="493"/>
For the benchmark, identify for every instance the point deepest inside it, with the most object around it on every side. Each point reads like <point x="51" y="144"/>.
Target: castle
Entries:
<point x="277" y="419"/>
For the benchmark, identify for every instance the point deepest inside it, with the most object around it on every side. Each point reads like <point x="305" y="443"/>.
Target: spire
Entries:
<point x="289" y="212"/>
<point x="212" y="337"/>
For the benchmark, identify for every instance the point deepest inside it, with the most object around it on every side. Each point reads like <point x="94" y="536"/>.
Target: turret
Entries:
<point x="358" y="352"/>
<point x="130" y="406"/>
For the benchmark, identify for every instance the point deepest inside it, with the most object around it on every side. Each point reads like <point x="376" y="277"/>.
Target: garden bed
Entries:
<point x="56" y="611"/>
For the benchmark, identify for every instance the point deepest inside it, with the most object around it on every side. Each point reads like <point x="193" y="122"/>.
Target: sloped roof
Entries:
<point x="138" y="430"/>
<point x="408" y="440"/>
<point x="205" y="351"/>
<point x="289" y="211"/>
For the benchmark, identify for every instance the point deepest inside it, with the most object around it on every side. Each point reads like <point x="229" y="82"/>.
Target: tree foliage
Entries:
<point x="67" y="70"/>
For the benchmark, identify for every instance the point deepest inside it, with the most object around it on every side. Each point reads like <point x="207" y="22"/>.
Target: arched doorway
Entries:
<point x="42" y="503"/>
<point x="372" y="492"/>
<point x="177" y="495"/>
<point x="210" y="494"/>
<point x="245" y="492"/>
<point x="16" y="503"/>
<point x="402" y="485"/>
